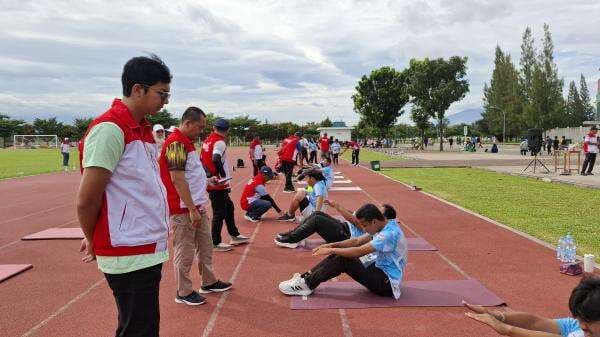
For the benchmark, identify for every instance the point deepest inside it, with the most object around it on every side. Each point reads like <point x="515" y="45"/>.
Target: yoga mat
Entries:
<point x="9" y="270"/>
<point x="442" y="293"/>
<point x="414" y="244"/>
<point x="56" y="234"/>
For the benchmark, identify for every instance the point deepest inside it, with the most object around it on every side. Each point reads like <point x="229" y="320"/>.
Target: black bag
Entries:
<point x="240" y="163"/>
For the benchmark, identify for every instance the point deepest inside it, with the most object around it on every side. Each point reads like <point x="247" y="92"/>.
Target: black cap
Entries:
<point x="222" y="124"/>
<point x="267" y="171"/>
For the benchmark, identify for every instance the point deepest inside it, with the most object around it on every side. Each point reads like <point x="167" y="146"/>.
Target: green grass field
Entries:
<point x="19" y="163"/>
<point x="367" y="156"/>
<point x="546" y="211"/>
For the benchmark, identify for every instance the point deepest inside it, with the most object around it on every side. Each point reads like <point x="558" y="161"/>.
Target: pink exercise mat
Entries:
<point x="56" y="234"/>
<point x="442" y="293"/>
<point x="414" y="244"/>
<point x="9" y="270"/>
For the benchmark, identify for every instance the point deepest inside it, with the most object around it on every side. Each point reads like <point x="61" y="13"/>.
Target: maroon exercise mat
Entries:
<point x="56" y="234"/>
<point x="442" y="293"/>
<point x="9" y="270"/>
<point x="414" y="244"/>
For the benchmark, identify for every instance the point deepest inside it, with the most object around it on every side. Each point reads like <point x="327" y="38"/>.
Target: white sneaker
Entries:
<point x="239" y="240"/>
<point x="222" y="247"/>
<point x="295" y="287"/>
<point x="286" y="283"/>
<point x="291" y="245"/>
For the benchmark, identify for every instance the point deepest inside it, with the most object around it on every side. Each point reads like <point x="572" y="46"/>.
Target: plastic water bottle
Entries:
<point x="560" y="255"/>
<point x="570" y="244"/>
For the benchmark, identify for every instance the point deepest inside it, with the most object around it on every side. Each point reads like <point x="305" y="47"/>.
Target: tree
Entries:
<point x="81" y="125"/>
<point x="47" y="126"/>
<point x="9" y="127"/>
<point x="379" y="98"/>
<point x="436" y="84"/>
<point x="326" y="123"/>
<point x="546" y="101"/>
<point x="528" y="63"/>
<point x="503" y="101"/>
<point x="574" y="107"/>
<point x="164" y="118"/>
<point x="421" y="119"/>
<point x="584" y="94"/>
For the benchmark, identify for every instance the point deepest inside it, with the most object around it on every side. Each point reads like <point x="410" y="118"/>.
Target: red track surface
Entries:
<point x="61" y="296"/>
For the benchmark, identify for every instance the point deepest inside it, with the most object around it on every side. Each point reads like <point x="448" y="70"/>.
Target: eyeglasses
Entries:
<point x="164" y="95"/>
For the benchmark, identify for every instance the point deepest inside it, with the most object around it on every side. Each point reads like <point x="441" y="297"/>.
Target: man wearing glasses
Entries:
<point x="122" y="202"/>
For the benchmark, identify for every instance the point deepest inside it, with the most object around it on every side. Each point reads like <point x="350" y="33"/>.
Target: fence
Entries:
<point x="575" y="134"/>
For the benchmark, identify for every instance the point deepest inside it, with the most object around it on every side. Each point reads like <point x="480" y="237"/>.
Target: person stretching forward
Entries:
<point x="381" y="274"/>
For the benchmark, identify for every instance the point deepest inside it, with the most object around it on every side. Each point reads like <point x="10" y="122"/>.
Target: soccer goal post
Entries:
<point x="35" y="141"/>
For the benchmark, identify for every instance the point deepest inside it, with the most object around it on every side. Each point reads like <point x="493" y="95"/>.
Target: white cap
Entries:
<point x="157" y="127"/>
<point x="66" y="138"/>
<point x="172" y="128"/>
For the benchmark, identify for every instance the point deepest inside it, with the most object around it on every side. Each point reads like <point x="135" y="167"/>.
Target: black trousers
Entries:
<point x="136" y="295"/>
<point x="588" y="163"/>
<point x="287" y="167"/>
<point x="332" y="266"/>
<point x="65" y="159"/>
<point x="336" y="158"/>
<point x="328" y="227"/>
<point x="355" y="154"/>
<point x="313" y="157"/>
<point x="222" y="208"/>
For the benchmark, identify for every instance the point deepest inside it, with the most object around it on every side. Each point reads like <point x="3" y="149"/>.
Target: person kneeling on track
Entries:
<point x="255" y="199"/>
<point x="381" y="273"/>
<point x="328" y="227"/>
<point x="584" y="305"/>
<point x="309" y="200"/>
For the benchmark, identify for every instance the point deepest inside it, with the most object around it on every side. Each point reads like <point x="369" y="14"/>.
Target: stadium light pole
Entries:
<point x="503" y="121"/>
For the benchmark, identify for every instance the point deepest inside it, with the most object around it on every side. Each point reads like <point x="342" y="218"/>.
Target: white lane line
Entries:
<point x="215" y="314"/>
<point x="38" y="212"/>
<point x="62" y="309"/>
<point x="355" y="188"/>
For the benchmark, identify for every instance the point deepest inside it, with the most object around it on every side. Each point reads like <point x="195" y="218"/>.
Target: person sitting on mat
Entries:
<point x="328" y="227"/>
<point x="584" y="305"/>
<point x="310" y="199"/>
<point x="381" y="274"/>
<point x="255" y="199"/>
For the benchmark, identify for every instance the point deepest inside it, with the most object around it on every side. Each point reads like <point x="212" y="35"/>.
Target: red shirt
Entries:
<point x="324" y="144"/>
<point x="288" y="149"/>
<point x="206" y="155"/>
<point x="249" y="194"/>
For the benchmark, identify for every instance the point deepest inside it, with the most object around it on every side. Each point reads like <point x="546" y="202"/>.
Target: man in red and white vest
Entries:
<point x="184" y="177"/>
<point x="290" y="147"/>
<point x="256" y="154"/>
<point x="590" y="148"/>
<point x="255" y="199"/>
<point x="122" y="202"/>
<point x="214" y="159"/>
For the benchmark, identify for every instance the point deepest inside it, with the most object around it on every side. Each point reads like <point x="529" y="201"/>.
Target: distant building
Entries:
<point x="338" y="130"/>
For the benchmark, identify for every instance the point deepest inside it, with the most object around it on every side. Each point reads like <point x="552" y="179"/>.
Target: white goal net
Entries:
<point x="35" y="141"/>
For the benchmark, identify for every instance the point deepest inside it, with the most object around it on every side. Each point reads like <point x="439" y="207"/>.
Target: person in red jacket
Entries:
<point x="324" y="145"/>
<point x="214" y="159"/>
<point x="185" y="179"/>
<point x="255" y="199"/>
<point x="290" y="147"/>
<point x="122" y="204"/>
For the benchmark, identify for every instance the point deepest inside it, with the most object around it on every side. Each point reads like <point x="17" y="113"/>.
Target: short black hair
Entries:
<point x="584" y="302"/>
<point x="145" y="70"/>
<point x="192" y="114"/>
<point x="594" y="128"/>
<point x="317" y="174"/>
<point x="369" y="212"/>
<point x="327" y="159"/>
<point x="389" y="212"/>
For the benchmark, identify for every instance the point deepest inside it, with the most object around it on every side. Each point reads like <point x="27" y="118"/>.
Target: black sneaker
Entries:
<point x="590" y="174"/>
<point x="192" y="299"/>
<point x="280" y="235"/>
<point x="216" y="287"/>
<point x="286" y="242"/>
<point x="289" y="190"/>
<point x="286" y="217"/>
<point x="584" y="174"/>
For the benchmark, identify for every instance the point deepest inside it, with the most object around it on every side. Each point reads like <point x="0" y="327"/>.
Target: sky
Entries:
<point x="272" y="60"/>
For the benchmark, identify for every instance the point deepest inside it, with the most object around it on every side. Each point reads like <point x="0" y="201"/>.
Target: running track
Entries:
<point x="62" y="296"/>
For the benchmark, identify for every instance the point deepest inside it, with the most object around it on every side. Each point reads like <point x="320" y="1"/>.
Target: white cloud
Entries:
<point x="277" y="60"/>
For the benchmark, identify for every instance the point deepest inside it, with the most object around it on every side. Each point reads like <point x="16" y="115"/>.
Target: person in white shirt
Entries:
<point x="590" y="148"/>
<point x="335" y="151"/>
<point x="158" y="131"/>
<point x="65" y="147"/>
